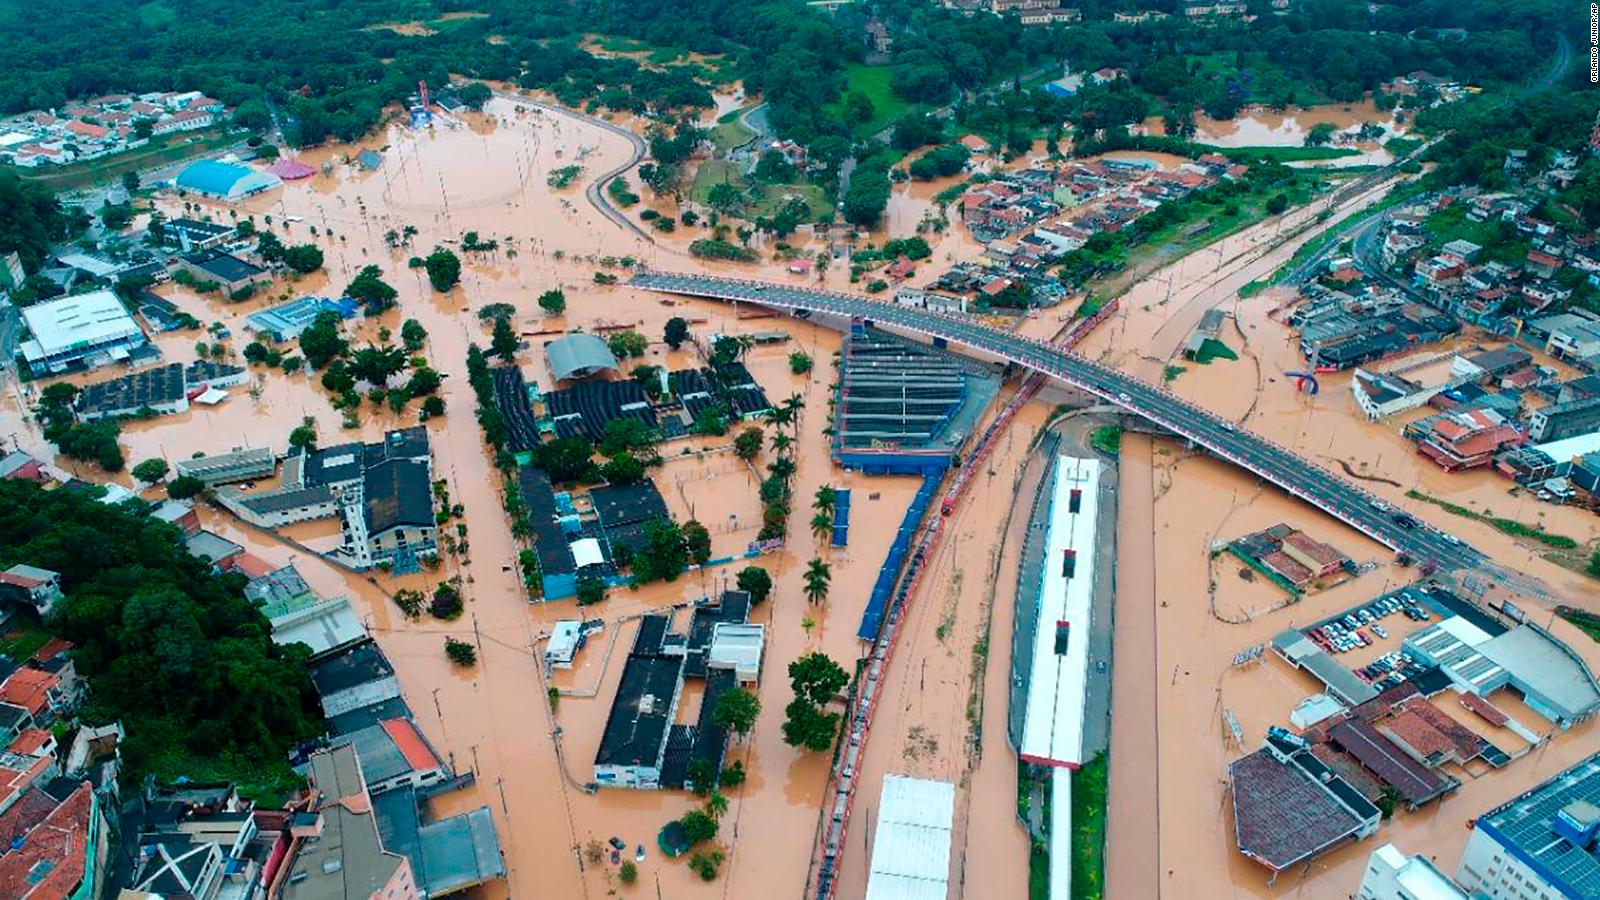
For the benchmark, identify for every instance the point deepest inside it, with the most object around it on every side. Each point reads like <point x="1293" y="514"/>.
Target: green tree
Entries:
<point x="566" y="460"/>
<point x="591" y="590"/>
<point x="376" y="365"/>
<point x="374" y="293"/>
<point x="1320" y="134"/>
<point x="825" y="499"/>
<point x="321" y="342"/>
<point x="461" y="653"/>
<point x="817" y="577"/>
<point x="553" y="301"/>
<point x="700" y="777"/>
<point x="821" y="528"/>
<point x="736" y="710"/>
<point x="677" y="331"/>
<point x="624" y="468"/>
<point x="809" y="728"/>
<point x="447" y="603"/>
<point x="627" y="344"/>
<point x="628" y="872"/>
<point x="698" y="542"/>
<point x="698" y="826"/>
<point x="799" y="363"/>
<point x="625" y="436"/>
<point x="444" y="269"/>
<point x="716" y="805"/>
<point x="151" y="470"/>
<point x="747" y="443"/>
<point x="816" y="678"/>
<point x="724" y="197"/>
<point x="303" y="258"/>
<point x="474" y="95"/>
<point x="505" y="340"/>
<point x="755" y="581"/>
<point x="185" y="486"/>
<point x="664" y="555"/>
<point x="413" y="335"/>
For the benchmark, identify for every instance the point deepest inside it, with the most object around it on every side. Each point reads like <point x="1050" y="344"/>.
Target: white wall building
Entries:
<point x="1392" y="875"/>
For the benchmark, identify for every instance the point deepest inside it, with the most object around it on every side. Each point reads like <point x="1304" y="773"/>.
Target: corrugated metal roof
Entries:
<point x="911" y="845"/>
<point x="577" y="355"/>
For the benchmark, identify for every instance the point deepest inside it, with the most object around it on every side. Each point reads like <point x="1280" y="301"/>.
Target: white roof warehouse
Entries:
<point x="84" y="330"/>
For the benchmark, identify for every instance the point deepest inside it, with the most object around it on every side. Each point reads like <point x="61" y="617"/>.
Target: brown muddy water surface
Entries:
<point x="1169" y="826"/>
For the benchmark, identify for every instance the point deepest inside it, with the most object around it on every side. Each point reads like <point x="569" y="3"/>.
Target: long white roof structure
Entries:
<point x="911" y="846"/>
<point x="1052" y="729"/>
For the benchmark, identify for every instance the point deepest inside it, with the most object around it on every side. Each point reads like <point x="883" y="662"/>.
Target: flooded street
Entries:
<point x="1175" y="633"/>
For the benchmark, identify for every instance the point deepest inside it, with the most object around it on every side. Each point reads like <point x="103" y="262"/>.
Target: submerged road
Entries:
<point x="596" y="189"/>
<point x="1283" y="467"/>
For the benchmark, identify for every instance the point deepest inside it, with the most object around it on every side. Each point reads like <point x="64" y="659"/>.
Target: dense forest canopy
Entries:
<point x="173" y="651"/>
<point x="328" y="68"/>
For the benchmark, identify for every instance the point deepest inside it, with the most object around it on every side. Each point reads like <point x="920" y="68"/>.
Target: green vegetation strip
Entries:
<point x="1107" y="439"/>
<point x="1503" y="525"/>
<point x="1586" y="622"/>
<point x="1089" y="786"/>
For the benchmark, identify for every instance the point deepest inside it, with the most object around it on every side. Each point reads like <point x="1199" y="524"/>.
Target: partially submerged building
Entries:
<point x="81" y="331"/>
<point x="641" y="746"/>
<point x="1544" y="843"/>
<point x="1289" y="808"/>
<point x="911" y="843"/>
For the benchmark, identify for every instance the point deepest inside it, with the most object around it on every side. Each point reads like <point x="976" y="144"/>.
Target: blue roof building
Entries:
<point x="224" y="181"/>
<point x="1542" y="844"/>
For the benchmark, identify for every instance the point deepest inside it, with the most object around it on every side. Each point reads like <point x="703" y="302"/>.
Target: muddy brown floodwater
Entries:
<point x="488" y="175"/>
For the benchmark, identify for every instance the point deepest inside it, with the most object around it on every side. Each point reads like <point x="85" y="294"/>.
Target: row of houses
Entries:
<point x="102" y="126"/>
<point x="1029" y="219"/>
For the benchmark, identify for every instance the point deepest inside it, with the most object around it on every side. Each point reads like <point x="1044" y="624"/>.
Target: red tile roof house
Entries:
<point x="974" y="143"/>
<point x="1542" y="264"/>
<point x="33" y="690"/>
<point x="87" y="130"/>
<point x="1469" y="440"/>
<point x="62" y="855"/>
<point x="1322" y="559"/>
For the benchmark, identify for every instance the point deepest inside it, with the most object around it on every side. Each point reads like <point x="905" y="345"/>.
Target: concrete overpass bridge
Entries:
<point x="1295" y="474"/>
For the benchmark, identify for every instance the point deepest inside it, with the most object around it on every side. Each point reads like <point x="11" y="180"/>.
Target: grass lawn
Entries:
<point x="1499" y="243"/>
<point x="715" y="171"/>
<point x="1183" y="237"/>
<point x="1586" y="622"/>
<point x="158" y="152"/>
<point x="730" y="132"/>
<point x="874" y="82"/>
<point x="22" y="638"/>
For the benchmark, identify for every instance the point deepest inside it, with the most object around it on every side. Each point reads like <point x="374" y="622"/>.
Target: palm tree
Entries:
<point x="782" y="468"/>
<point x="817" y="576"/>
<point x="825" y="498"/>
<point x="782" y="444"/>
<point x="821" y="525"/>
<point x="779" y="416"/>
<point x="716" y="805"/>
<point x="792" y="406"/>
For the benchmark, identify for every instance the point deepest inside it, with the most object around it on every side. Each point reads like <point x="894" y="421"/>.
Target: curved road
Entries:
<point x="595" y="191"/>
<point x="1299" y="476"/>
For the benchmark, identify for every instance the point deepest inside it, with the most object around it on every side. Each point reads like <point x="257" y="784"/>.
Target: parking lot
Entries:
<point x="1367" y="639"/>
